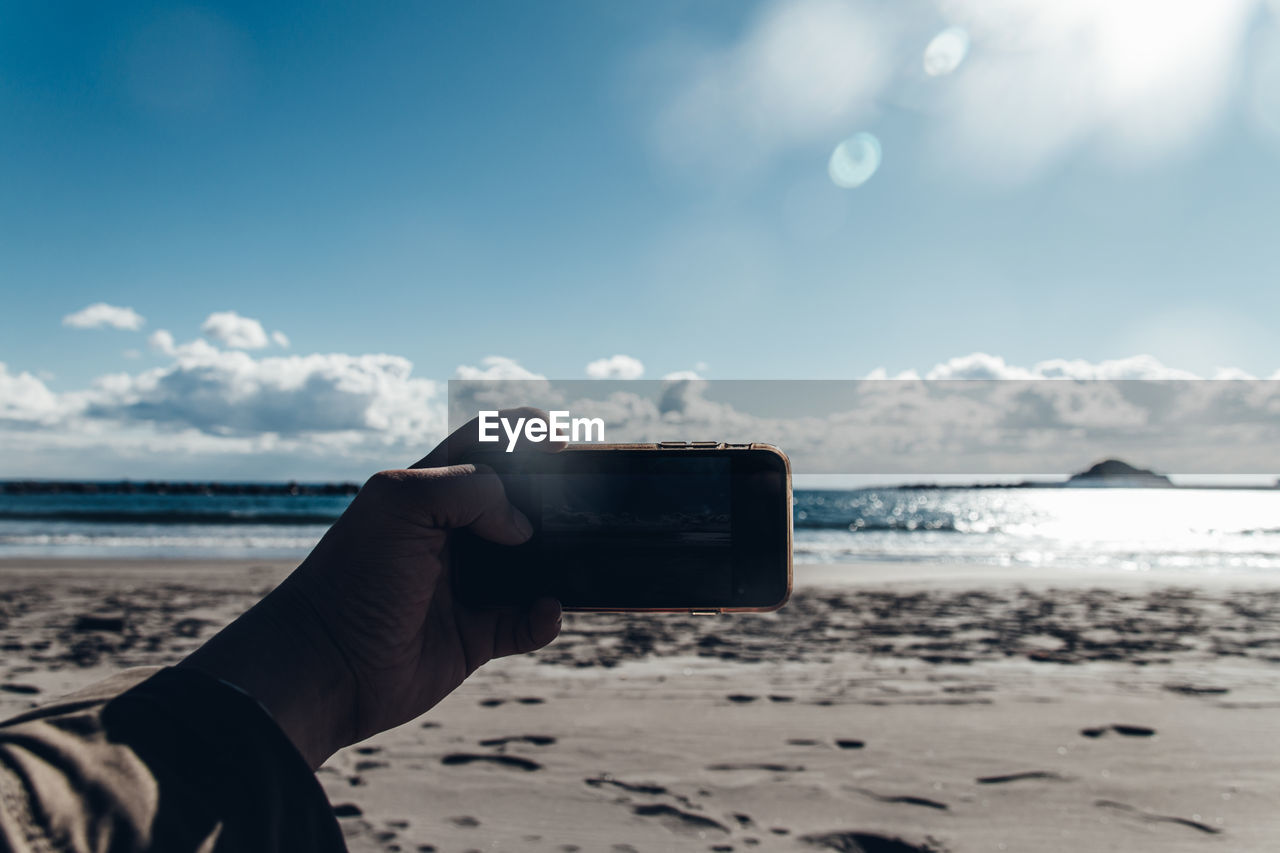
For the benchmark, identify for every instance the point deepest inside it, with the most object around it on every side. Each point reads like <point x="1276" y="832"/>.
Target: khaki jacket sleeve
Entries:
<point x="155" y="760"/>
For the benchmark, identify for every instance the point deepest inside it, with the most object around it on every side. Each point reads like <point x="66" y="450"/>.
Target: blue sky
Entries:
<point x="557" y="183"/>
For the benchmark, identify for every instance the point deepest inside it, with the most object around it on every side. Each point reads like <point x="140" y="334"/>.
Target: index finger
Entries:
<point x="465" y="440"/>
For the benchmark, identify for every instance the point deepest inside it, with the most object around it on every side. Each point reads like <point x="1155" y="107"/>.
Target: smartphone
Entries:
<point x="700" y="527"/>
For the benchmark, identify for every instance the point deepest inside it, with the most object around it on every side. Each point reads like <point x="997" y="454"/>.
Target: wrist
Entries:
<point x="280" y="654"/>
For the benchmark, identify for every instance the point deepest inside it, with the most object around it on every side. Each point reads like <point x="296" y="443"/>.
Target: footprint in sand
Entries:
<point x="869" y="842"/>
<point x="632" y="787"/>
<point x="492" y="703"/>
<point x="648" y="790"/>
<point x="1151" y="817"/>
<point x="802" y="741"/>
<point x="465" y="821"/>
<point x="514" y="762"/>
<point x="747" y="765"/>
<point x="850" y="743"/>
<point x="1096" y="732"/>
<point x="1019" y="777"/>
<point x="1196" y="690"/>
<point x="23" y="689"/>
<point x="347" y="810"/>
<point x="778" y="697"/>
<point x="535" y="740"/>
<point x="741" y="698"/>
<point x="901" y="799"/>
<point x="531" y="700"/>
<point x="679" y="821"/>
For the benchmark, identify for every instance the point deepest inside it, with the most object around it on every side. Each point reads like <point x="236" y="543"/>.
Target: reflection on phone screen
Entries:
<point x="643" y="534"/>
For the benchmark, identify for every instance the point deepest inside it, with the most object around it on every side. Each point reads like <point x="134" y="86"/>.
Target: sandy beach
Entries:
<point x="887" y="708"/>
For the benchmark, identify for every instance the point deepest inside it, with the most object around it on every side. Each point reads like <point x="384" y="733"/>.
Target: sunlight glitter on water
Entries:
<point x="1122" y="529"/>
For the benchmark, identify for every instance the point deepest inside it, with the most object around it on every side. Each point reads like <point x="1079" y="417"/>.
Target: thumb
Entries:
<point x="469" y="496"/>
<point x="520" y="631"/>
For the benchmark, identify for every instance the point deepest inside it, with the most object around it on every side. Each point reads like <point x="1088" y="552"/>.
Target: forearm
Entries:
<point x="175" y="761"/>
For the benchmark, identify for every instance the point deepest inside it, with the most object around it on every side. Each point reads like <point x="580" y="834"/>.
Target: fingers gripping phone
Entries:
<point x="701" y="527"/>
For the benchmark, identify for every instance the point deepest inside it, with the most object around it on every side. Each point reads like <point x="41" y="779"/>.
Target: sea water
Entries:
<point x="1193" y="530"/>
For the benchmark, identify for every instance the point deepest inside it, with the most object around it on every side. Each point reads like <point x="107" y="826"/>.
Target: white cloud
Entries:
<point x="280" y="339"/>
<point x="211" y="412"/>
<point x="982" y="366"/>
<point x="214" y="412"/>
<point x="100" y="315"/>
<point x="496" y="367"/>
<point x="880" y="374"/>
<point x="24" y="398"/>
<point x="978" y="365"/>
<point x="233" y="330"/>
<point x="1021" y="424"/>
<point x="616" y="367"/>
<point x="1133" y="367"/>
<point x="161" y="340"/>
<point x="676" y="375"/>
<point x="222" y="392"/>
<point x="499" y="382"/>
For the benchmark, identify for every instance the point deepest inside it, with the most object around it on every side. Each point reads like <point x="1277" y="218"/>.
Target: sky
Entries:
<point x="253" y="240"/>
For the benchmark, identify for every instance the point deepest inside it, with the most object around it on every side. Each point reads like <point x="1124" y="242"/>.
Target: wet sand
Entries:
<point x="887" y="708"/>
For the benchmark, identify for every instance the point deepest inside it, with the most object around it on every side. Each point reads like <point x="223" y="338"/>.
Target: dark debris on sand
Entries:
<point x="153" y="625"/>
<point x="514" y="762"/>
<point x="869" y="842"/>
<point x="146" y="625"/>
<point x="947" y="627"/>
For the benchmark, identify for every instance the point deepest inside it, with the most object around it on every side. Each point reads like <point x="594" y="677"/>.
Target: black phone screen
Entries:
<point x="631" y="529"/>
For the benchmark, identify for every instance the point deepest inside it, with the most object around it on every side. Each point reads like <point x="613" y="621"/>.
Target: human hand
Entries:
<point x="366" y="634"/>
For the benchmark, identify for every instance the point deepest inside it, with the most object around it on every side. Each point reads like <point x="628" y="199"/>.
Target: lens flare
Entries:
<point x="946" y="51"/>
<point x="854" y="161"/>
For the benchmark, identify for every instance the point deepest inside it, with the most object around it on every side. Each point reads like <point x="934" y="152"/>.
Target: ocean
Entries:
<point x="1192" y="530"/>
